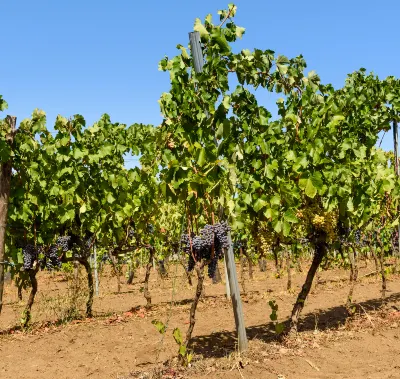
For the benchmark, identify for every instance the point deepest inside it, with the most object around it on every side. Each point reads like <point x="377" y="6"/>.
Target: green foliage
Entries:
<point x="3" y="104"/>
<point x="185" y="356"/>
<point x="279" y="327"/>
<point x="161" y="328"/>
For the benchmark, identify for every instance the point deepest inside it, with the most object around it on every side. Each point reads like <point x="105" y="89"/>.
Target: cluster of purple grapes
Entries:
<point x="344" y="233"/>
<point x="30" y="254"/>
<point x="64" y="243"/>
<point x="51" y="258"/>
<point x="357" y="236"/>
<point x="80" y="247"/>
<point x="211" y="238"/>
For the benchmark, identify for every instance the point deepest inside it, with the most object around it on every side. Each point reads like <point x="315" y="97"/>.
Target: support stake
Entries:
<point x="198" y="60"/>
<point x="235" y="296"/>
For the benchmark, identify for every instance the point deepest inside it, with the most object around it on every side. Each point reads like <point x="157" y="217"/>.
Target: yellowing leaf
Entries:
<point x="82" y="209"/>
<point x="110" y="198"/>
<point x="199" y="27"/>
<point x="240" y="31"/>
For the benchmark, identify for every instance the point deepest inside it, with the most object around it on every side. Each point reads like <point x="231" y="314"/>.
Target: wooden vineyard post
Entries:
<point x="197" y="52"/>
<point x="227" y="287"/>
<point x="235" y="296"/>
<point x="5" y="184"/>
<point x="198" y="60"/>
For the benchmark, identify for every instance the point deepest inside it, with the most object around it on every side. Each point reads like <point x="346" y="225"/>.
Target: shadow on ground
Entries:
<point x="221" y="344"/>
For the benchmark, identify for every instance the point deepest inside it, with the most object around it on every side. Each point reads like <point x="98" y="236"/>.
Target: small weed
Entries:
<point x="185" y="357"/>
<point x="279" y="327"/>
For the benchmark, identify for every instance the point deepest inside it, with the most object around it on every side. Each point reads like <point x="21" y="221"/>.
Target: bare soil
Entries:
<point x="121" y="342"/>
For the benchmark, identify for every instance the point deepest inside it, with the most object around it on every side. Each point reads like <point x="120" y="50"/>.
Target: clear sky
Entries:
<point x="94" y="57"/>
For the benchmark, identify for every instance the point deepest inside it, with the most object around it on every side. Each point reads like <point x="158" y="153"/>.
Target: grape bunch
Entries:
<point x="317" y="219"/>
<point x="203" y="245"/>
<point x="30" y="255"/>
<point x="357" y="236"/>
<point x="52" y="260"/>
<point x="185" y="242"/>
<point x="267" y="241"/>
<point x="209" y="245"/>
<point x="345" y="232"/>
<point x="330" y="225"/>
<point x="212" y="267"/>
<point x="221" y="231"/>
<point x="131" y="233"/>
<point x="185" y="246"/>
<point x="64" y="243"/>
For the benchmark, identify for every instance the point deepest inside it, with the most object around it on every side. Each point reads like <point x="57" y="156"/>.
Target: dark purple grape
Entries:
<point x="30" y="254"/>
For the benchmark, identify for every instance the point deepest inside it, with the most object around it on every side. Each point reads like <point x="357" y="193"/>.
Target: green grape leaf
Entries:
<point x="159" y="326"/>
<point x="199" y="27"/>
<point x="177" y="336"/>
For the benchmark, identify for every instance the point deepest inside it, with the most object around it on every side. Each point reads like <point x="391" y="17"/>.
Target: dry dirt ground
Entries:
<point x="121" y="342"/>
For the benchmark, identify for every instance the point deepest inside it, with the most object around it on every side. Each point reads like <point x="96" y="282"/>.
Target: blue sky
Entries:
<point x="94" y="57"/>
